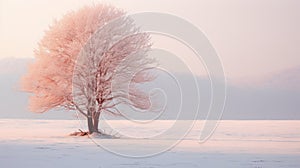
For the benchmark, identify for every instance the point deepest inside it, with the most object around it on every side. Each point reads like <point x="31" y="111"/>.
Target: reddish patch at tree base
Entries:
<point x="80" y="133"/>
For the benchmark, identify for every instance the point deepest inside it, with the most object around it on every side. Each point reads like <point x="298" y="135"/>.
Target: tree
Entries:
<point x="91" y="61"/>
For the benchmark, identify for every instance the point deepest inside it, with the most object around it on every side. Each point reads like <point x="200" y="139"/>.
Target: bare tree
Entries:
<point x="91" y="61"/>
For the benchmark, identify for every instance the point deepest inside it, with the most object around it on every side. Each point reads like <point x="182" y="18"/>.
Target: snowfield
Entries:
<point x="45" y="143"/>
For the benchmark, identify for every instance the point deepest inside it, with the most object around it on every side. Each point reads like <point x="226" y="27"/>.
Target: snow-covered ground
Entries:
<point x="45" y="143"/>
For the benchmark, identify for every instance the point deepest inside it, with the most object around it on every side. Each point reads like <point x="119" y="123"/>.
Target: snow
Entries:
<point x="45" y="143"/>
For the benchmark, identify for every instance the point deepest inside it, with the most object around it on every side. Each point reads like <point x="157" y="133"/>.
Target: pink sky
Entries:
<point x="253" y="38"/>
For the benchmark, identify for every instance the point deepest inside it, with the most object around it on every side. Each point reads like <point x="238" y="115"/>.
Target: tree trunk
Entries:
<point x="91" y="116"/>
<point x="96" y="121"/>
<point x="90" y="124"/>
<point x="93" y="123"/>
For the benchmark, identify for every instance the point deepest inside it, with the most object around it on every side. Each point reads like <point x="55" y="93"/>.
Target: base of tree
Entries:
<point x="94" y="135"/>
<point x="80" y="133"/>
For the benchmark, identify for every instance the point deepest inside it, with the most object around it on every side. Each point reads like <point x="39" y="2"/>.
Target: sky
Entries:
<point x="252" y="38"/>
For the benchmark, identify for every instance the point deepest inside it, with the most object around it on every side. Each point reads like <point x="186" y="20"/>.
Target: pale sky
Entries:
<point x="253" y="38"/>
